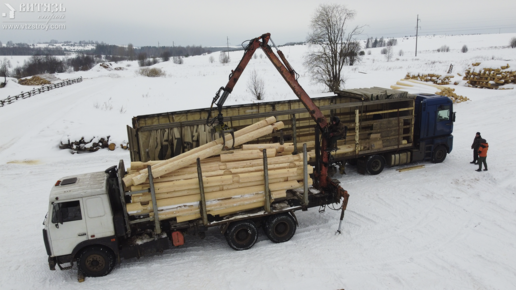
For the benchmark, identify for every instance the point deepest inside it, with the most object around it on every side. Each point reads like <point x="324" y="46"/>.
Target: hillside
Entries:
<point x="441" y="227"/>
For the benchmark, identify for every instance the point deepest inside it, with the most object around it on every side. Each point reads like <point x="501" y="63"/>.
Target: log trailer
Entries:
<point x="87" y="220"/>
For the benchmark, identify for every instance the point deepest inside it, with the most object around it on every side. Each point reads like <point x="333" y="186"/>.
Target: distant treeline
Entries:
<point x="27" y="50"/>
<point x="118" y="52"/>
<point x="380" y="42"/>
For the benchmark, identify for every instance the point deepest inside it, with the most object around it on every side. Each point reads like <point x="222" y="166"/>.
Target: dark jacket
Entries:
<point x="482" y="150"/>
<point x="476" y="143"/>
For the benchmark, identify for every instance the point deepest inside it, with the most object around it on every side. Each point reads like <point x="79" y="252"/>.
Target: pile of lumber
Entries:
<point x="34" y="81"/>
<point x="450" y="93"/>
<point x="233" y="180"/>
<point x="434" y="78"/>
<point x="489" y="78"/>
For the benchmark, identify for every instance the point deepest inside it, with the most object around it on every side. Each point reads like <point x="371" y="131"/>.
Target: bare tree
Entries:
<point x="211" y="59"/>
<point x="130" y="51"/>
<point x="165" y="56"/>
<point x="513" y="42"/>
<point x="5" y="65"/>
<point x="331" y="40"/>
<point x="224" y="58"/>
<point x="142" y="56"/>
<point x="256" y="85"/>
<point x="178" y="60"/>
<point x="388" y="53"/>
<point x="464" y="49"/>
<point x="401" y="53"/>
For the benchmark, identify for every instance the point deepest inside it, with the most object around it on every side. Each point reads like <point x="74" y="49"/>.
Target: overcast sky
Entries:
<point x="208" y="23"/>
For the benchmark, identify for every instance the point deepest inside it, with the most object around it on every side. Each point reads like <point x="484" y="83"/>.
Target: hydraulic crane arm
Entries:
<point x="283" y="68"/>
<point x="289" y="75"/>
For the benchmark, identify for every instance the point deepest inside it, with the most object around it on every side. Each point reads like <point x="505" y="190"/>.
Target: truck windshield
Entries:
<point x="443" y="114"/>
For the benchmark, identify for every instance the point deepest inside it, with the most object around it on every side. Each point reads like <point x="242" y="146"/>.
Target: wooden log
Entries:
<point x="164" y="204"/>
<point x="214" y="166"/>
<point x="247" y="155"/>
<point x="197" y="151"/>
<point x="221" y="180"/>
<point x="145" y="197"/>
<point x="171" y="166"/>
<point x="279" y="148"/>
<point x="222" y="211"/>
<point x="161" y="169"/>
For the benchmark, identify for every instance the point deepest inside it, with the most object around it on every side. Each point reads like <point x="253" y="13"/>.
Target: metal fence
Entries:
<point x="35" y="91"/>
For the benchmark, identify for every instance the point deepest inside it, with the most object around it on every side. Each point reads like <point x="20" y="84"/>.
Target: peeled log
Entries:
<point x="137" y="208"/>
<point x="171" y="166"/>
<point x="144" y="197"/>
<point x="196" y="151"/>
<point x="218" y="208"/>
<point x="213" y="166"/>
<point x="246" y="155"/>
<point x="279" y="148"/>
<point x="224" y="179"/>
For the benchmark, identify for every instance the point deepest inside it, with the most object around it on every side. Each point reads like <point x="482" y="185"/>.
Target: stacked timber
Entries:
<point x="489" y="78"/>
<point x="434" y="78"/>
<point x="450" y="93"/>
<point x="233" y="180"/>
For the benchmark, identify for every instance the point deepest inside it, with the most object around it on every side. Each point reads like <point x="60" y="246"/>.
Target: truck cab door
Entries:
<point x="444" y="120"/>
<point x="68" y="227"/>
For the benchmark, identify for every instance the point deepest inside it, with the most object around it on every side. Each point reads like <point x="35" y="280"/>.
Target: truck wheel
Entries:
<point x="280" y="228"/>
<point x="241" y="235"/>
<point x="96" y="261"/>
<point x="375" y="164"/>
<point x="439" y="154"/>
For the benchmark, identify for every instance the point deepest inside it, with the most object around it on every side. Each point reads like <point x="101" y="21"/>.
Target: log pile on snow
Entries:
<point x="490" y="78"/>
<point x="82" y="145"/>
<point x="33" y="81"/>
<point x="434" y="78"/>
<point x="450" y="93"/>
<point x="233" y="180"/>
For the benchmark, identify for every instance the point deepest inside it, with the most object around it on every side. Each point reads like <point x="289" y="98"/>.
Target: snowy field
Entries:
<point x="441" y="227"/>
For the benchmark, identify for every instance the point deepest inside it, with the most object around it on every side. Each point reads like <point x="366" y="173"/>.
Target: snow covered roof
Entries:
<point x="88" y="184"/>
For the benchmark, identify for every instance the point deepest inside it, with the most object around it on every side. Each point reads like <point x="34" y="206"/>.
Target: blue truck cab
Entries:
<point x="433" y="127"/>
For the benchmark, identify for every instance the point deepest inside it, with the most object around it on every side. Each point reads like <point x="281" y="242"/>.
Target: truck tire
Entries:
<point x="280" y="228"/>
<point x="439" y="154"/>
<point x="375" y="164"/>
<point x="241" y="235"/>
<point x="96" y="261"/>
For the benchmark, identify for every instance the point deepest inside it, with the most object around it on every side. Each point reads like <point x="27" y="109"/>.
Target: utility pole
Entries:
<point x="227" y="43"/>
<point x="417" y="30"/>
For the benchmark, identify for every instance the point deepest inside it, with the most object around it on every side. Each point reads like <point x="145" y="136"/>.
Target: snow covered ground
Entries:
<point x="441" y="227"/>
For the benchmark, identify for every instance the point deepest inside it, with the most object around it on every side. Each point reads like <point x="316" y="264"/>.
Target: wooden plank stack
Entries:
<point x="233" y="180"/>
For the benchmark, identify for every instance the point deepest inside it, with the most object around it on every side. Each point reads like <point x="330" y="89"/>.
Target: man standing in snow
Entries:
<point x="474" y="146"/>
<point x="482" y="154"/>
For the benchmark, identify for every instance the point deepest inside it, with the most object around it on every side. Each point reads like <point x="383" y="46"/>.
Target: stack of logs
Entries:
<point x="490" y="78"/>
<point x="434" y="78"/>
<point x="233" y="180"/>
<point x="33" y="81"/>
<point x="450" y="93"/>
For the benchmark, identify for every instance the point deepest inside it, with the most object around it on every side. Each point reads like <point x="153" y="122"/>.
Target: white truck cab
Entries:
<point x="79" y="218"/>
